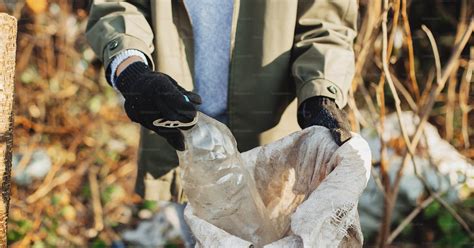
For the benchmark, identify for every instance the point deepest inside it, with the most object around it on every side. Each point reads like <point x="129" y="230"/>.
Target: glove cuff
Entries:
<point x="130" y="75"/>
<point x="322" y="101"/>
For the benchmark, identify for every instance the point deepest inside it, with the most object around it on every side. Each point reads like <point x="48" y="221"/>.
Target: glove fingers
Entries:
<point x="193" y="97"/>
<point x="183" y="112"/>
<point x="172" y="102"/>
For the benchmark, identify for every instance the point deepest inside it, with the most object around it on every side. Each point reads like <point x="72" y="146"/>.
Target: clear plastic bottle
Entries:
<point x="217" y="185"/>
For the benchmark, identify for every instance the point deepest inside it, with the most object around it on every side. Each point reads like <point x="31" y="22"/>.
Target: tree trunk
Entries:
<point x="8" y="29"/>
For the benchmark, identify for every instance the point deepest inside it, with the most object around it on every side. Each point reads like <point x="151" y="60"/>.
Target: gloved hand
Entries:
<point x="323" y="111"/>
<point x="152" y="95"/>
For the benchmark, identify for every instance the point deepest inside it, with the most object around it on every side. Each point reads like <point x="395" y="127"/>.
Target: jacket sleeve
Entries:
<point x="323" y="56"/>
<point x="115" y="26"/>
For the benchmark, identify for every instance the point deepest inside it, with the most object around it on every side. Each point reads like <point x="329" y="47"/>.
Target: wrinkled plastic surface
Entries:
<point x="309" y="187"/>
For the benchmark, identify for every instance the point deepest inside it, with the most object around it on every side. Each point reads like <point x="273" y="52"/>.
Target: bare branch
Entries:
<point x="434" y="46"/>
<point x="409" y="218"/>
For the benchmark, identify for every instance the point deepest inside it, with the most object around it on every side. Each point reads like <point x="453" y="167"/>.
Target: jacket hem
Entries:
<point x="321" y="87"/>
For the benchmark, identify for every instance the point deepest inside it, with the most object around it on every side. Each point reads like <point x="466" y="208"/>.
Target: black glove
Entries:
<point x="152" y="95"/>
<point x="323" y="111"/>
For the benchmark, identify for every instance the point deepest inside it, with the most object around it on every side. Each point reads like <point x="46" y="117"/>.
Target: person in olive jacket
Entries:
<point x="240" y="61"/>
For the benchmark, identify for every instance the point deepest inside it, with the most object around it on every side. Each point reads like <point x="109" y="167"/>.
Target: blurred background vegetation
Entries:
<point x="69" y="123"/>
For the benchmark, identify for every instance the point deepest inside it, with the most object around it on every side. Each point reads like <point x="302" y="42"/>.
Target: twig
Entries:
<point x="429" y="105"/>
<point x="450" y="102"/>
<point x="433" y="94"/>
<point x="378" y="183"/>
<point x="365" y="40"/>
<point x="410" y="147"/>
<point x="409" y="218"/>
<point x="37" y="217"/>
<point x="451" y="89"/>
<point x="77" y="241"/>
<point x="453" y="212"/>
<point x="47" y="183"/>
<point x="444" y="203"/>
<point x="428" y="86"/>
<point x="25" y="160"/>
<point x="362" y="56"/>
<point x="433" y="196"/>
<point x="396" y="14"/>
<point x="385" y="228"/>
<point x="432" y="40"/>
<point x="464" y="98"/>
<point x="411" y="56"/>
<point x="387" y="216"/>
<point x="399" y="86"/>
<point x="451" y="92"/>
<point x="123" y="171"/>
<point x="456" y="53"/>
<point x="41" y="192"/>
<point x="371" y="23"/>
<point x="354" y="114"/>
<point x="392" y="87"/>
<point x="441" y="82"/>
<point x="369" y="102"/>
<point x="358" y="115"/>
<point x="96" y="204"/>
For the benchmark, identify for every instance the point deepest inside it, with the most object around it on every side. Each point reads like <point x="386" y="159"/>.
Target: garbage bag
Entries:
<point x="299" y="191"/>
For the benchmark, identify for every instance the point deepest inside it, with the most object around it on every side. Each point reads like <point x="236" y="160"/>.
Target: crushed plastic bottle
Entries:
<point x="218" y="186"/>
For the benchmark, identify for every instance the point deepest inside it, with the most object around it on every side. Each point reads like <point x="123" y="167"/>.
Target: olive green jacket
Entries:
<point x="279" y="49"/>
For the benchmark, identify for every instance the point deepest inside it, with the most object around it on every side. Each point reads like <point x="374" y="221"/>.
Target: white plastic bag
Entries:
<point x="308" y="185"/>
